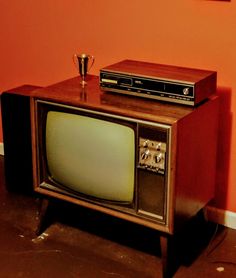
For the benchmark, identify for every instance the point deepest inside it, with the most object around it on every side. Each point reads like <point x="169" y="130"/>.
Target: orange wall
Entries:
<point x="38" y="39"/>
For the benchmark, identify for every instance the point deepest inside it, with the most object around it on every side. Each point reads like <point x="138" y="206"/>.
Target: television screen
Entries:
<point x="91" y="156"/>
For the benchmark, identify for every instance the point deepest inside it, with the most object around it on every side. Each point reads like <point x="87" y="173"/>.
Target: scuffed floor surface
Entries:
<point x="80" y="243"/>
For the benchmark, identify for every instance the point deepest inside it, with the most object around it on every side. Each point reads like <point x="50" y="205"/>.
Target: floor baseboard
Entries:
<point x="220" y="216"/>
<point x="1" y="149"/>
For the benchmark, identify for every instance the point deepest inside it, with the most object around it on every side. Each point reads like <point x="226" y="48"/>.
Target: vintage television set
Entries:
<point x="144" y="161"/>
<point x="103" y="159"/>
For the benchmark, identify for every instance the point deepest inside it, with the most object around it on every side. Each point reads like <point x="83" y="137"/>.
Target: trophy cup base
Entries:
<point x="83" y="83"/>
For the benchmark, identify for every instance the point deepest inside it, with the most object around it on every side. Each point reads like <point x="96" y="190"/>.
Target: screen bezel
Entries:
<point x="45" y="180"/>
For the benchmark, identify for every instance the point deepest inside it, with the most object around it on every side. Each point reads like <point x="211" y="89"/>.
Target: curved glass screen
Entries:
<point x="91" y="156"/>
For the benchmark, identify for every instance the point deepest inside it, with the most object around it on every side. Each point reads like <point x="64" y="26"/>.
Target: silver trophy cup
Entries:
<point x="83" y="63"/>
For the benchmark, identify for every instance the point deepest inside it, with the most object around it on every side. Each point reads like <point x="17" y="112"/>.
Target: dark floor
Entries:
<point x="81" y="243"/>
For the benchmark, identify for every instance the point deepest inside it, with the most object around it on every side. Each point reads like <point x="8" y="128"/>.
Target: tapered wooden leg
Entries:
<point x="43" y="216"/>
<point x="164" y="241"/>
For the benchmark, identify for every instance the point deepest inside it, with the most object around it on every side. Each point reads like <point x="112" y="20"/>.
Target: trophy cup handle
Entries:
<point x="75" y="61"/>
<point x="92" y="58"/>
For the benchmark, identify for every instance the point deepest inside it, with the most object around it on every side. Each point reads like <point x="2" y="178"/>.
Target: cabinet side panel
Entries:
<point x="196" y="160"/>
<point x="17" y="142"/>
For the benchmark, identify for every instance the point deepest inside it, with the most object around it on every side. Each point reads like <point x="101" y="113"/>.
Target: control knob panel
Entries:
<point x="152" y="155"/>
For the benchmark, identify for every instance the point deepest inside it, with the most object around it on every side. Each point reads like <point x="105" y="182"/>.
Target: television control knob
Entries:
<point x="186" y="91"/>
<point x="158" y="146"/>
<point x="145" y="143"/>
<point x="158" y="158"/>
<point x="145" y="155"/>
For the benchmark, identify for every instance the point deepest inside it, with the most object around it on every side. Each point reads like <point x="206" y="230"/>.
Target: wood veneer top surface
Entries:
<point x="70" y="92"/>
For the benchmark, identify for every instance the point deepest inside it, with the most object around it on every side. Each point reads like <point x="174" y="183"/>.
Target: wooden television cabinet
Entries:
<point x="191" y="159"/>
